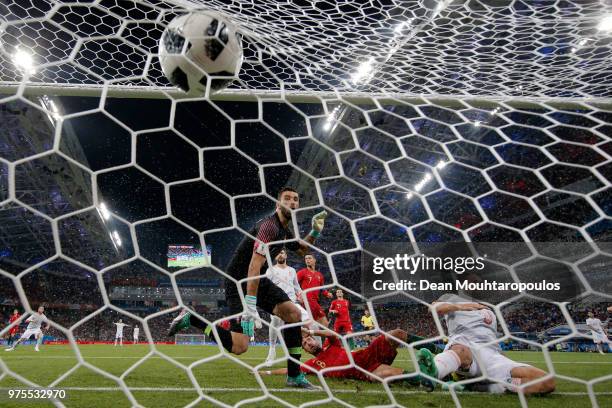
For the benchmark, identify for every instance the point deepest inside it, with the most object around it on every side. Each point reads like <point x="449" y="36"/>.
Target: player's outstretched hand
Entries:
<point x="318" y="221"/>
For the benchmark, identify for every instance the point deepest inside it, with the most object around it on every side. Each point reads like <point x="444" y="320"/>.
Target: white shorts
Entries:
<point x="277" y="321"/>
<point x="305" y="315"/>
<point x="599" y="338"/>
<point x="118" y="336"/>
<point x="488" y="360"/>
<point x="29" y="332"/>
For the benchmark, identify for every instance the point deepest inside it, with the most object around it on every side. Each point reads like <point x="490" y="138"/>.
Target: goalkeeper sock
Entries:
<point x="293" y="340"/>
<point x="447" y="362"/>
<point x="225" y="336"/>
<point x="195" y="322"/>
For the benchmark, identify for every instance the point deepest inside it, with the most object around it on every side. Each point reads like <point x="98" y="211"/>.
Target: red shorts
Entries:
<point x="380" y="351"/>
<point x="315" y="309"/>
<point x="343" y="327"/>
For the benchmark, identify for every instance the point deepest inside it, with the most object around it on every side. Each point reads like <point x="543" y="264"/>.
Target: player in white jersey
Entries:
<point x="35" y="322"/>
<point x="119" y="334"/>
<point x="285" y="277"/>
<point x="473" y="349"/>
<point x="136" y="333"/>
<point x="597" y="331"/>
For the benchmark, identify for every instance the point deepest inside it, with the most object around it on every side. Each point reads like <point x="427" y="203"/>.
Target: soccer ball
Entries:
<point x="200" y="49"/>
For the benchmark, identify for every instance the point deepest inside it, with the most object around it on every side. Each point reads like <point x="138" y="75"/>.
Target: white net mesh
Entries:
<point x="409" y="122"/>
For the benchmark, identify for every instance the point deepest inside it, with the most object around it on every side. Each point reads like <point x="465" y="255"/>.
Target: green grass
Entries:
<point x="155" y="380"/>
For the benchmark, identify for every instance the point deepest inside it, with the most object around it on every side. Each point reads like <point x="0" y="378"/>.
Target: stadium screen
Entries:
<point x="185" y="256"/>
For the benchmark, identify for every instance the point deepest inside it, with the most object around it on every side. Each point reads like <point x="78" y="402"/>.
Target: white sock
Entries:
<point x="275" y="323"/>
<point x="39" y="341"/>
<point x="447" y="362"/>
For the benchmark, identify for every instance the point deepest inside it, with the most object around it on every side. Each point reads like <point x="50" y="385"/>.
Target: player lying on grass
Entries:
<point x="473" y="351"/>
<point x="376" y="359"/>
<point x="249" y="261"/>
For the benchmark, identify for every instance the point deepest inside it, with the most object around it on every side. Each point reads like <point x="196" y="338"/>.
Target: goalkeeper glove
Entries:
<point x="318" y="222"/>
<point x="250" y="318"/>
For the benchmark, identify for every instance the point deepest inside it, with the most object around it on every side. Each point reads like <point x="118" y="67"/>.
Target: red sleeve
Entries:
<point x="333" y="305"/>
<point x="300" y="276"/>
<point x="266" y="233"/>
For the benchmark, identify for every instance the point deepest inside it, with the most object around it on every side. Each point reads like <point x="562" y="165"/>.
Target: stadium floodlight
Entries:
<point x="364" y="71"/>
<point x="116" y="238"/>
<point x="24" y="61"/>
<point x="605" y="24"/>
<point x="104" y="212"/>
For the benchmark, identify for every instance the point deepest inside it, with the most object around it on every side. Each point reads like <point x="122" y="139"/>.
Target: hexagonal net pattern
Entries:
<point x="484" y="124"/>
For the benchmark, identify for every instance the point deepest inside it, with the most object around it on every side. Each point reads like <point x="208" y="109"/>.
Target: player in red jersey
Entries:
<point x="340" y="308"/>
<point x="14" y="330"/>
<point x="308" y="278"/>
<point x="376" y="358"/>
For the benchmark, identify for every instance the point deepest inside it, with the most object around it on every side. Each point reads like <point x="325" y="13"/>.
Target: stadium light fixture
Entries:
<point x="441" y="164"/>
<point x="24" y="61"/>
<point x="605" y="24"/>
<point x="363" y="71"/>
<point x="401" y="26"/>
<point x="117" y="238"/>
<point x="103" y="210"/>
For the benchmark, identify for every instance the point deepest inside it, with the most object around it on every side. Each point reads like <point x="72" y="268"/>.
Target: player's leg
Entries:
<point x="275" y="323"/>
<point x="277" y="302"/>
<point x="384" y="371"/>
<point x="445" y="363"/>
<point x="526" y="374"/>
<point x="39" y="338"/>
<point x="26" y="335"/>
<point x="233" y="340"/>
<point x="599" y="348"/>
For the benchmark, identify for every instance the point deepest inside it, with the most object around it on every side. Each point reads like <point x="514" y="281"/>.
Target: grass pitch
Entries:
<point x="155" y="381"/>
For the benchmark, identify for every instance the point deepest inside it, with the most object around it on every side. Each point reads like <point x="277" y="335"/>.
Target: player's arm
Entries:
<point x="296" y="287"/>
<point x="29" y="319"/>
<point x="332" y="308"/>
<point x="278" y="371"/>
<point x="257" y="262"/>
<point x="443" y="308"/>
<point x="320" y="333"/>
<point x="317" y="223"/>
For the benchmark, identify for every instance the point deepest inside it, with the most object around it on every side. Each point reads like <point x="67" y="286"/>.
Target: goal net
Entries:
<point x="459" y="148"/>
<point x="190" y="339"/>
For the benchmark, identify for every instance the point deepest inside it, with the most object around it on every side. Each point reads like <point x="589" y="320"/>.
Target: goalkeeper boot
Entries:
<point x="300" y="381"/>
<point x="428" y="366"/>
<point x="180" y="322"/>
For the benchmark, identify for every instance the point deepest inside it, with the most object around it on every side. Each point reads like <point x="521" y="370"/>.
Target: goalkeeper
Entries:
<point x="248" y="261"/>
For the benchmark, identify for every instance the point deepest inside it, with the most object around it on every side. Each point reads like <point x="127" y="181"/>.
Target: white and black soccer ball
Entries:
<point x="200" y="49"/>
